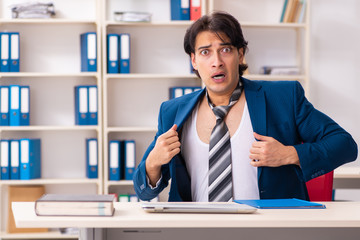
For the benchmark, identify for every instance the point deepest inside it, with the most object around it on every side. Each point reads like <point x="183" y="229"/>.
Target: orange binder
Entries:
<point x="195" y="9"/>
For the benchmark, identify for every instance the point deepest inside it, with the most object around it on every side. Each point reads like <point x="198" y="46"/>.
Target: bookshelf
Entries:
<point x="157" y="63"/>
<point x="285" y="43"/>
<point x="50" y="65"/>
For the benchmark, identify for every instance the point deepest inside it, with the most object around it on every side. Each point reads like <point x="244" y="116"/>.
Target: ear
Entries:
<point x="241" y="55"/>
<point x="193" y="61"/>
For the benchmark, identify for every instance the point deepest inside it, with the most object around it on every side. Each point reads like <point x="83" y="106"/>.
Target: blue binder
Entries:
<point x="81" y="105"/>
<point x="175" y="92"/>
<point x="5" y="52"/>
<point x="4" y="105"/>
<point x="91" y="158"/>
<point x="15" y="159"/>
<point x="14" y="105"/>
<point x="88" y="45"/>
<point x="5" y="159"/>
<point x="130" y="158"/>
<point x="180" y="10"/>
<point x="30" y="158"/>
<point x="115" y="166"/>
<point x="14" y="52"/>
<point x="113" y="53"/>
<point x="24" y="105"/>
<point x="93" y="105"/>
<point x="124" y="53"/>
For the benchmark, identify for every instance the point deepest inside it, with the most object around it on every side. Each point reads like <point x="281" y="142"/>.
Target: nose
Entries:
<point x="217" y="60"/>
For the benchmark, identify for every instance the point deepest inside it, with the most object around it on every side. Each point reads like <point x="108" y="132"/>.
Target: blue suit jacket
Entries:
<point x="277" y="109"/>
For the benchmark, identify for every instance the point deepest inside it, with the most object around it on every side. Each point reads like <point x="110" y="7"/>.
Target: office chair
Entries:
<point x="321" y="188"/>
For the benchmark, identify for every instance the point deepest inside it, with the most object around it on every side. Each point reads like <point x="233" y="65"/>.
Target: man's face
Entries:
<point x="217" y="62"/>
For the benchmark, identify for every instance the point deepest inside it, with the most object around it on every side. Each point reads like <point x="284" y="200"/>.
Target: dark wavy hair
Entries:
<point x="217" y="22"/>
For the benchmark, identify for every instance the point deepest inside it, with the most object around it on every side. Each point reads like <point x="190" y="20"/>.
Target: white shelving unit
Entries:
<point x="50" y="65"/>
<point x="158" y="62"/>
<point x="271" y="42"/>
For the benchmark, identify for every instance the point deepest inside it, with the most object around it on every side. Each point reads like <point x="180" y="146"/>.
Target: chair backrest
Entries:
<point x="321" y="188"/>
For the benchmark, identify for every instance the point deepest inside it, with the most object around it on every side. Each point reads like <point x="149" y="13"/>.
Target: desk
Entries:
<point x="337" y="219"/>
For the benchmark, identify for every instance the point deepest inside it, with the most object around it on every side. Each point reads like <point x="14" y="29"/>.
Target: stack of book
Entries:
<point x="75" y="205"/>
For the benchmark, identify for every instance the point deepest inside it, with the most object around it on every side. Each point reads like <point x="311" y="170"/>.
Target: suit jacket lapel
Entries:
<point x="185" y="109"/>
<point x="255" y="98"/>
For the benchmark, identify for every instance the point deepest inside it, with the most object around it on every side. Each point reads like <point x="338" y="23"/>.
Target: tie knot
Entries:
<point x="220" y="112"/>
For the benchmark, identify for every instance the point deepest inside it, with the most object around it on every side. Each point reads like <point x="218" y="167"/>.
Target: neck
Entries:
<point x="219" y="100"/>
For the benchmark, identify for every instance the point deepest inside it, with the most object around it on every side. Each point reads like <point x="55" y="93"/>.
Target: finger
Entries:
<point x="174" y="152"/>
<point x="174" y="145"/>
<point x="255" y="150"/>
<point x="257" y="144"/>
<point x="256" y="163"/>
<point x="172" y="139"/>
<point x="171" y="132"/>
<point x="174" y="127"/>
<point x="261" y="137"/>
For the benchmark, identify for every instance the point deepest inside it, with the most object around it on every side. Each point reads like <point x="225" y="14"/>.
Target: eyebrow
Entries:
<point x="221" y="44"/>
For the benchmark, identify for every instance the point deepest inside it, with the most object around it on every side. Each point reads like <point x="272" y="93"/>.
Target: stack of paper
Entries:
<point x="132" y="17"/>
<point x="75" y="205"/>
<point x="33" y="10"/>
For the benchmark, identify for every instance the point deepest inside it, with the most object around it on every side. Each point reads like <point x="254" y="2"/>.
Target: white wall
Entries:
<point x="335" y="68"/>
<point x="335" y="62"/>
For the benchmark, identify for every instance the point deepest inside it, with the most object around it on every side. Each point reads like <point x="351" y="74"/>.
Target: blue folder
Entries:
<point x="24" y="105"/>
<point x="92" y="158"/>
<point x="180" y="10"/>
<point x="14" y="52"/>
<point x="15" y="159"/>
<point x="113" y="53"/>
<point x="4" y="105"/>
<point x="14" y="105"/>
<point x="88" y="46"/>
<point x="130" y="158"/>
<point x="5" y="52"/>
<point x="30" y="159"/>
<point x="92" y="117"/>
<point x="5" y="159"/>
<point x="115" y="164"/>
<point x="124" y="53"/>
<point x="280" y="203"/>
<point x="81" y="105"/>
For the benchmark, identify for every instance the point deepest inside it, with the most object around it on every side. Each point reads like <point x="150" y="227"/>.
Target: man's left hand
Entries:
<point x="269" y="152"/>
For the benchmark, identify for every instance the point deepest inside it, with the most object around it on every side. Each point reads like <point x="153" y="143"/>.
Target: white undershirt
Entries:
<point x="196" y="155"/>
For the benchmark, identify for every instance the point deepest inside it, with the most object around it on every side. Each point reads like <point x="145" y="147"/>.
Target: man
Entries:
<point x="237" y="139"/>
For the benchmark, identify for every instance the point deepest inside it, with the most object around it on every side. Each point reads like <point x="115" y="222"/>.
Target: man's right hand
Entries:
<point x="166" y="147"/>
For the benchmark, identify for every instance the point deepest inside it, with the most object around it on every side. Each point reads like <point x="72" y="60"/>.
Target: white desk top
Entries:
<point x="130" y="215"/>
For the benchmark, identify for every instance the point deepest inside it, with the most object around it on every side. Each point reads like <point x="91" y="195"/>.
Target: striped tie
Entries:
<point x="220" y="175"/>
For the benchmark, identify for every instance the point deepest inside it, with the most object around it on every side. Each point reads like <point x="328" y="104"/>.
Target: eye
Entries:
<point x="226" y="50"/>
<point x="204" y="52"/>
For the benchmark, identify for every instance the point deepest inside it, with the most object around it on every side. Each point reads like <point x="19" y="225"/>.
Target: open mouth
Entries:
<point x="218" y="76"/>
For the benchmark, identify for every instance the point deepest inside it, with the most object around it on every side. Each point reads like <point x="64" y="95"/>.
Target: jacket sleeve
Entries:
<point x="141" y="186"/>
<point x="325" y="145"/>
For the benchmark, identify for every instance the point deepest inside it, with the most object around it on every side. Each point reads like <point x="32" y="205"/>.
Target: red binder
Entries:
<point x="195" y="9"/>
<point x="321" y="188"/>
